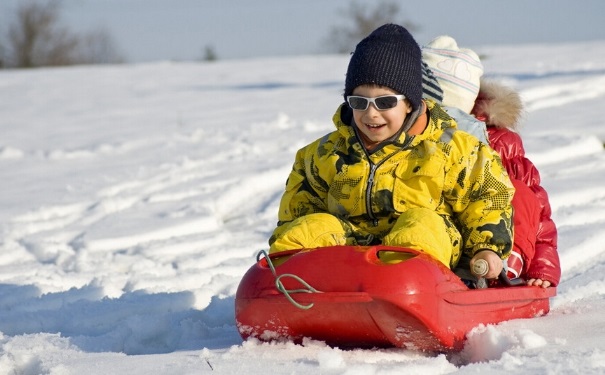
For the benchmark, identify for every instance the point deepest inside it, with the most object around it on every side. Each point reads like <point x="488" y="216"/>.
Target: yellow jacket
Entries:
<point x="442" y="169"/>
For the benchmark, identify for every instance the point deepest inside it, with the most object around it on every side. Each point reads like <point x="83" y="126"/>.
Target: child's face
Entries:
<point x="376" y="125"/>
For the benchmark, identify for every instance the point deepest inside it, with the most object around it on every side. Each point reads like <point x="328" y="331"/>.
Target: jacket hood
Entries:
<point x="498" y="105"/>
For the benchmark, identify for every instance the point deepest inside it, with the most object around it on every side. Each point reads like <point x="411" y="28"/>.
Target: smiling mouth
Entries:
<point x="375" y="126"/>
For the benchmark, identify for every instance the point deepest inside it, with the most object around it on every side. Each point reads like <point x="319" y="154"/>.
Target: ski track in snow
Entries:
<point x="579" y="212"/>
<point x="548" y="96"/>
<point x="68" y="227"/>
<point x="201" y="227"/>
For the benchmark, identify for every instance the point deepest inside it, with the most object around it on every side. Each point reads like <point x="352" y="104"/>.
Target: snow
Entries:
<point x="135" y="197"/>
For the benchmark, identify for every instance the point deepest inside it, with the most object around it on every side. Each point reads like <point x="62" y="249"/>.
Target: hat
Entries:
<point x="458" y="71"/>
<point x="389" y="57"/>
<point x="430" y="85"/>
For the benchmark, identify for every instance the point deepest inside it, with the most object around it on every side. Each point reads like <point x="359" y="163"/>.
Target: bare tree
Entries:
<point x="34" y="38"/>
<point x="2" y="55"/>
<point x="209" y="54"/>
<point x="37" y="39"/>
<point x="360" y="22"/>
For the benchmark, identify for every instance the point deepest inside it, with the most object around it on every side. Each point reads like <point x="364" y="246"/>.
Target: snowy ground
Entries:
<point x="134" y="198"/>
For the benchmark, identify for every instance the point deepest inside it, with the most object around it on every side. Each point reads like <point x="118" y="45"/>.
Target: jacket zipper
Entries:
<point x="373" y="169"/>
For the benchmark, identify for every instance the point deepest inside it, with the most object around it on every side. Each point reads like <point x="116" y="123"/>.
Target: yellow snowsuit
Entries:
<point x="441" y="192"/>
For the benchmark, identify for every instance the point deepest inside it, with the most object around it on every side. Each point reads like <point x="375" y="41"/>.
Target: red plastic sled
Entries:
<point x="362" y="302"/>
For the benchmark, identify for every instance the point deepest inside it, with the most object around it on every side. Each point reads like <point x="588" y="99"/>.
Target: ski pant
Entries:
<point x="418" y="228"/>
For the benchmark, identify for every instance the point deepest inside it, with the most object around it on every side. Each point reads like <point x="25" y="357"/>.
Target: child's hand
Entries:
<point x="538" y="282"/>
<point x="493" y="260"/>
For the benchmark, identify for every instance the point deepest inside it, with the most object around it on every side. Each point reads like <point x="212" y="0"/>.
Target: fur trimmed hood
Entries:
<point x="498" y="105"/>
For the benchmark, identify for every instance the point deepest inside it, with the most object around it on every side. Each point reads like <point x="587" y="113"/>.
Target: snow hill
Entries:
<point x="134" y="198"/>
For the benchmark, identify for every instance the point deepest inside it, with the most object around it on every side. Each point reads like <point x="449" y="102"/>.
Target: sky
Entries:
<point x="150" y="30"/>
<point x="135" y="197"/>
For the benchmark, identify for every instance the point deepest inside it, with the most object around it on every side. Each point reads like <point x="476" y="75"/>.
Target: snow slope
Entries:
<point x="135" y="197"/>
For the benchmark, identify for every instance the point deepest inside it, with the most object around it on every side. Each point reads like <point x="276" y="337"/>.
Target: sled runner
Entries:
<point x="347" y="297"/>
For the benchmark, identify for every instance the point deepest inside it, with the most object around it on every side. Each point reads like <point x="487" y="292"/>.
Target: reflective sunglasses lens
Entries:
<point x="386" y="102"/>
<point x="357" y="102"/>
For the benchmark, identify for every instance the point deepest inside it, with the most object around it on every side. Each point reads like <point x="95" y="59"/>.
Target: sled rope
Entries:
<point x="280" y="286"/>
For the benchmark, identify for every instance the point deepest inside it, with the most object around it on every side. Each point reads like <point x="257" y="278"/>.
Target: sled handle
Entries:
<point x="510" y="282"/>
<point x="481" y="267"/>
<point x="390" y="254"/>
<point x="280" y="286"/>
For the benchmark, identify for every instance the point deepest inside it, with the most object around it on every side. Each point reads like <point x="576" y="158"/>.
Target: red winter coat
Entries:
<point x="500" y="108"/>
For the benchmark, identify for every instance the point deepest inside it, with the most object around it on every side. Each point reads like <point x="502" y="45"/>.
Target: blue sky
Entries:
<point x="147" y="30"/>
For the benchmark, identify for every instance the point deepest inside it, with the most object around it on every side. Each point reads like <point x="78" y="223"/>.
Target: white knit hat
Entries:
<point x="458" y="71"/>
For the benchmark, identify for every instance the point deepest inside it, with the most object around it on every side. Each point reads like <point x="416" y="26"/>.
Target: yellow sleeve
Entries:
<point x="481" y="196"/>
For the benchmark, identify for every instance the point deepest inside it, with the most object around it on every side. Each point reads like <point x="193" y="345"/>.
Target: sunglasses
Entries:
<point x="382" y="103"/>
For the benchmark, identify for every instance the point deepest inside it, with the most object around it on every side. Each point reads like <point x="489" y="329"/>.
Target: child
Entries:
<point x="458" y="72"/>
<point x="500" y="108"/>
<point x="395" y="171"/>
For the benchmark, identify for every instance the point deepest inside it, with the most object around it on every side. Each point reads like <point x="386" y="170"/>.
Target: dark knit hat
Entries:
<point x="389" y="57"/>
